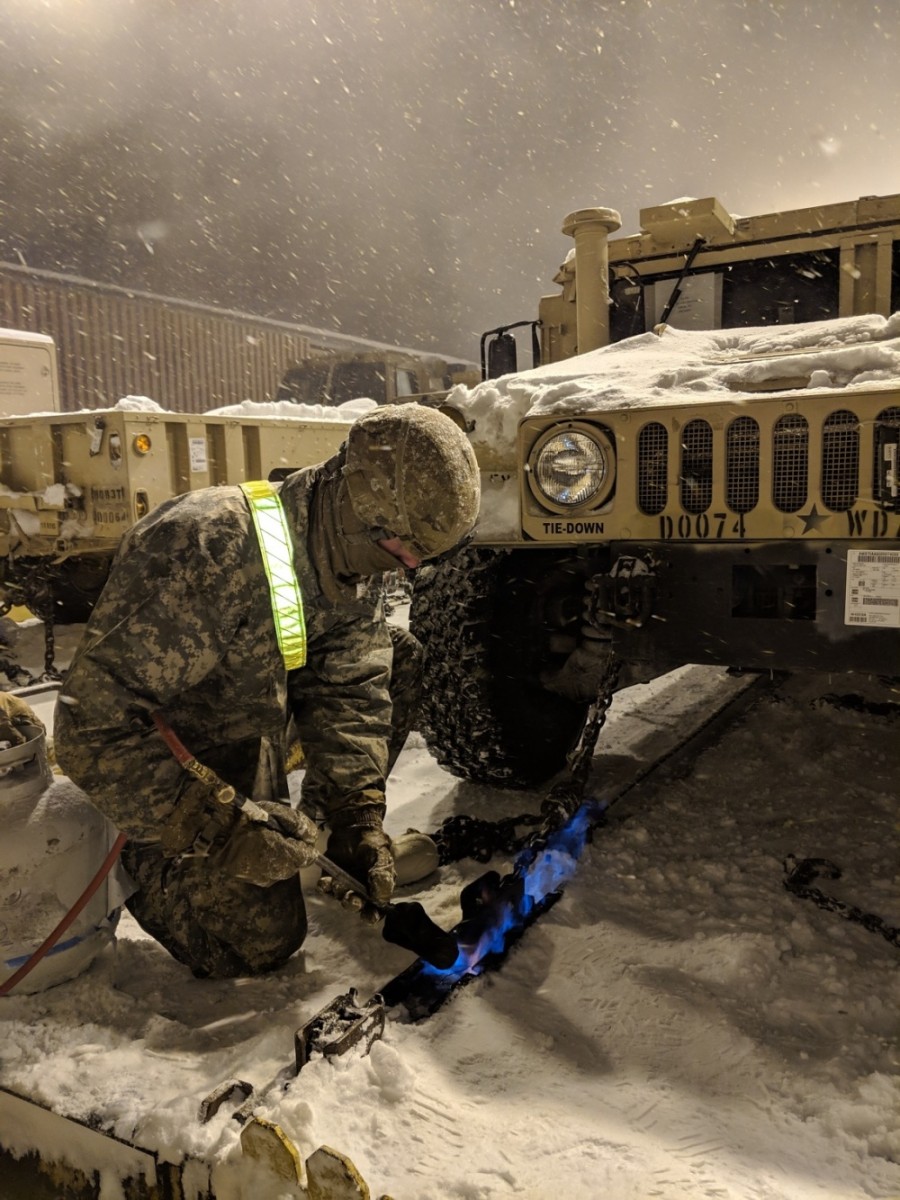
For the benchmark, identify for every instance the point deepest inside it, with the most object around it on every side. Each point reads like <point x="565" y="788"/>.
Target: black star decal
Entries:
<point x="812" y="520"/>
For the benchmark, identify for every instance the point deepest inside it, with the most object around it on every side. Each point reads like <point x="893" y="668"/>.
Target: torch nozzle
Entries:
<point x="406" y="923"/>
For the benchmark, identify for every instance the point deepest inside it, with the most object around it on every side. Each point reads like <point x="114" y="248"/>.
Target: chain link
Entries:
<point x="566" y="797"/>
<point x="36" y="593"/>
<point x="799" y="875"/>
<point x="472" y="837"/>
<point x="463" y="836"/>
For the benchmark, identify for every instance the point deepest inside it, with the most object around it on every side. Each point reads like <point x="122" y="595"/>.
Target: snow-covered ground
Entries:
<point x="677" y="1026"/>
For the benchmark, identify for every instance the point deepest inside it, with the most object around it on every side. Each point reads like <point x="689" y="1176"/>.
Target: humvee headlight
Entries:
<point x="141" y="443"/>
<point x="571" y="468"/>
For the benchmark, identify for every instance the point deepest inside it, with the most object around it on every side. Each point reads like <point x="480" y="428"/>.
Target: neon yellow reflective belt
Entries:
<point x="278" y="559"/>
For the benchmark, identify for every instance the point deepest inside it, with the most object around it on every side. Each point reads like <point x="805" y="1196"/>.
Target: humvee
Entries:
<point x="703" y="470"/>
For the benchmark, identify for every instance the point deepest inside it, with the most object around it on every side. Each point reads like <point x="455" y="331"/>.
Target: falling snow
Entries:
<point x="399" y="171"/>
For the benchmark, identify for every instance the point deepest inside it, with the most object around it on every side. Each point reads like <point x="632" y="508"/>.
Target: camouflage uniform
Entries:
<point x="185" y="626"/>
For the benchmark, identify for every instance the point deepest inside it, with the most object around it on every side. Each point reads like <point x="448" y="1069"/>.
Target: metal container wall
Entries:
<point x="113" y="343"/>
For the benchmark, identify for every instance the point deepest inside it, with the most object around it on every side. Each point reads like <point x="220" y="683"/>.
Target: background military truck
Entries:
<point x="71" y="484"/>
<point x="73" y="481"/>
<point x="721" y="497"/>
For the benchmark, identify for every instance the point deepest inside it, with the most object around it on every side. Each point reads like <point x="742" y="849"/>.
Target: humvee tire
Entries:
<point x="485" y="714"/>
<point x="77" y="587"/>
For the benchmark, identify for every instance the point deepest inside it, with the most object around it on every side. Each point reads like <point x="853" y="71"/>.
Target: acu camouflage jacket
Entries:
<point x="185" y="625"/>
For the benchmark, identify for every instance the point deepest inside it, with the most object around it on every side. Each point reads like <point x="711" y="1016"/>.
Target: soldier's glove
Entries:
<point x="264" y="853"/>
<point x="360" y="846"/>
<point x="195" y="821"/>
<point x="17" y="721"/>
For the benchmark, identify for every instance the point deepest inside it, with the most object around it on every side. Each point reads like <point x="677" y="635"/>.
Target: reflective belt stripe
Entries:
<point x="278" y="559"/>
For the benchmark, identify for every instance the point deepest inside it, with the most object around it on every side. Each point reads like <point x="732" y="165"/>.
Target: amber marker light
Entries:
<point x="141" y="443"/>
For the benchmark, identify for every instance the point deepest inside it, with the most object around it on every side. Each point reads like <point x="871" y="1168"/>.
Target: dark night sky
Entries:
<point x="399" y="169"/>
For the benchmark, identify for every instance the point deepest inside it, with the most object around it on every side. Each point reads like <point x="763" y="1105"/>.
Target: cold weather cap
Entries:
<point x="411" y="473"/>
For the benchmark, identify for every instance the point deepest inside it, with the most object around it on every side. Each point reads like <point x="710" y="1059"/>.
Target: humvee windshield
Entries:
<point x="304" y="385"/>
<point x="349" y="381"/>
<point x="333" y="383"/>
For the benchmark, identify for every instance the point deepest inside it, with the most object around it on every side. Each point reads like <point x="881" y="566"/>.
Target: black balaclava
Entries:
<point x="342" y="548"/>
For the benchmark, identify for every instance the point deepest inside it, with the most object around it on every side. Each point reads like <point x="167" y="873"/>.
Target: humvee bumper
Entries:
<point x="788" y="606"/>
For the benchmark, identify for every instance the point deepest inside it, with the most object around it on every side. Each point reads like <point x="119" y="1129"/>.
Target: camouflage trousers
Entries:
<point x="218" y="926"/>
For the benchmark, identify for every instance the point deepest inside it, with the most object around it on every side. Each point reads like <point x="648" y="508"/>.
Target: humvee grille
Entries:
<point x="789" y="468"/>
<point x="742" y="464"/>
<point x="887" y="432"/>
<point x="696" y="466"/>
<point x="653" y="468"/>
<point x="790" y="463"/>
<point x="840" y="460"/>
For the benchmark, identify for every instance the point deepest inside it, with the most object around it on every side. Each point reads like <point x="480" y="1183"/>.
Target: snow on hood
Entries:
<point x="687" y="366"/>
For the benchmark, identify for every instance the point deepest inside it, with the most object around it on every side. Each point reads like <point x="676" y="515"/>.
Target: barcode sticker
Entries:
<point x="873" y="588"/>
<point x="198" y="456"/>
<point x="871" y="556"/>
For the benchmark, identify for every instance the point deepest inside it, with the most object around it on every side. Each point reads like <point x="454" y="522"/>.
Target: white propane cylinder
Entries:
<point x="53" y="842"/>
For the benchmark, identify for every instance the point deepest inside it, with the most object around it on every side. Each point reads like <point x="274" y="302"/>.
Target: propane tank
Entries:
<point x="53" y="842"/>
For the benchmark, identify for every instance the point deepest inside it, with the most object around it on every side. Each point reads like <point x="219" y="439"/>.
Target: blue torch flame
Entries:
<point x="512" y="899"/>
